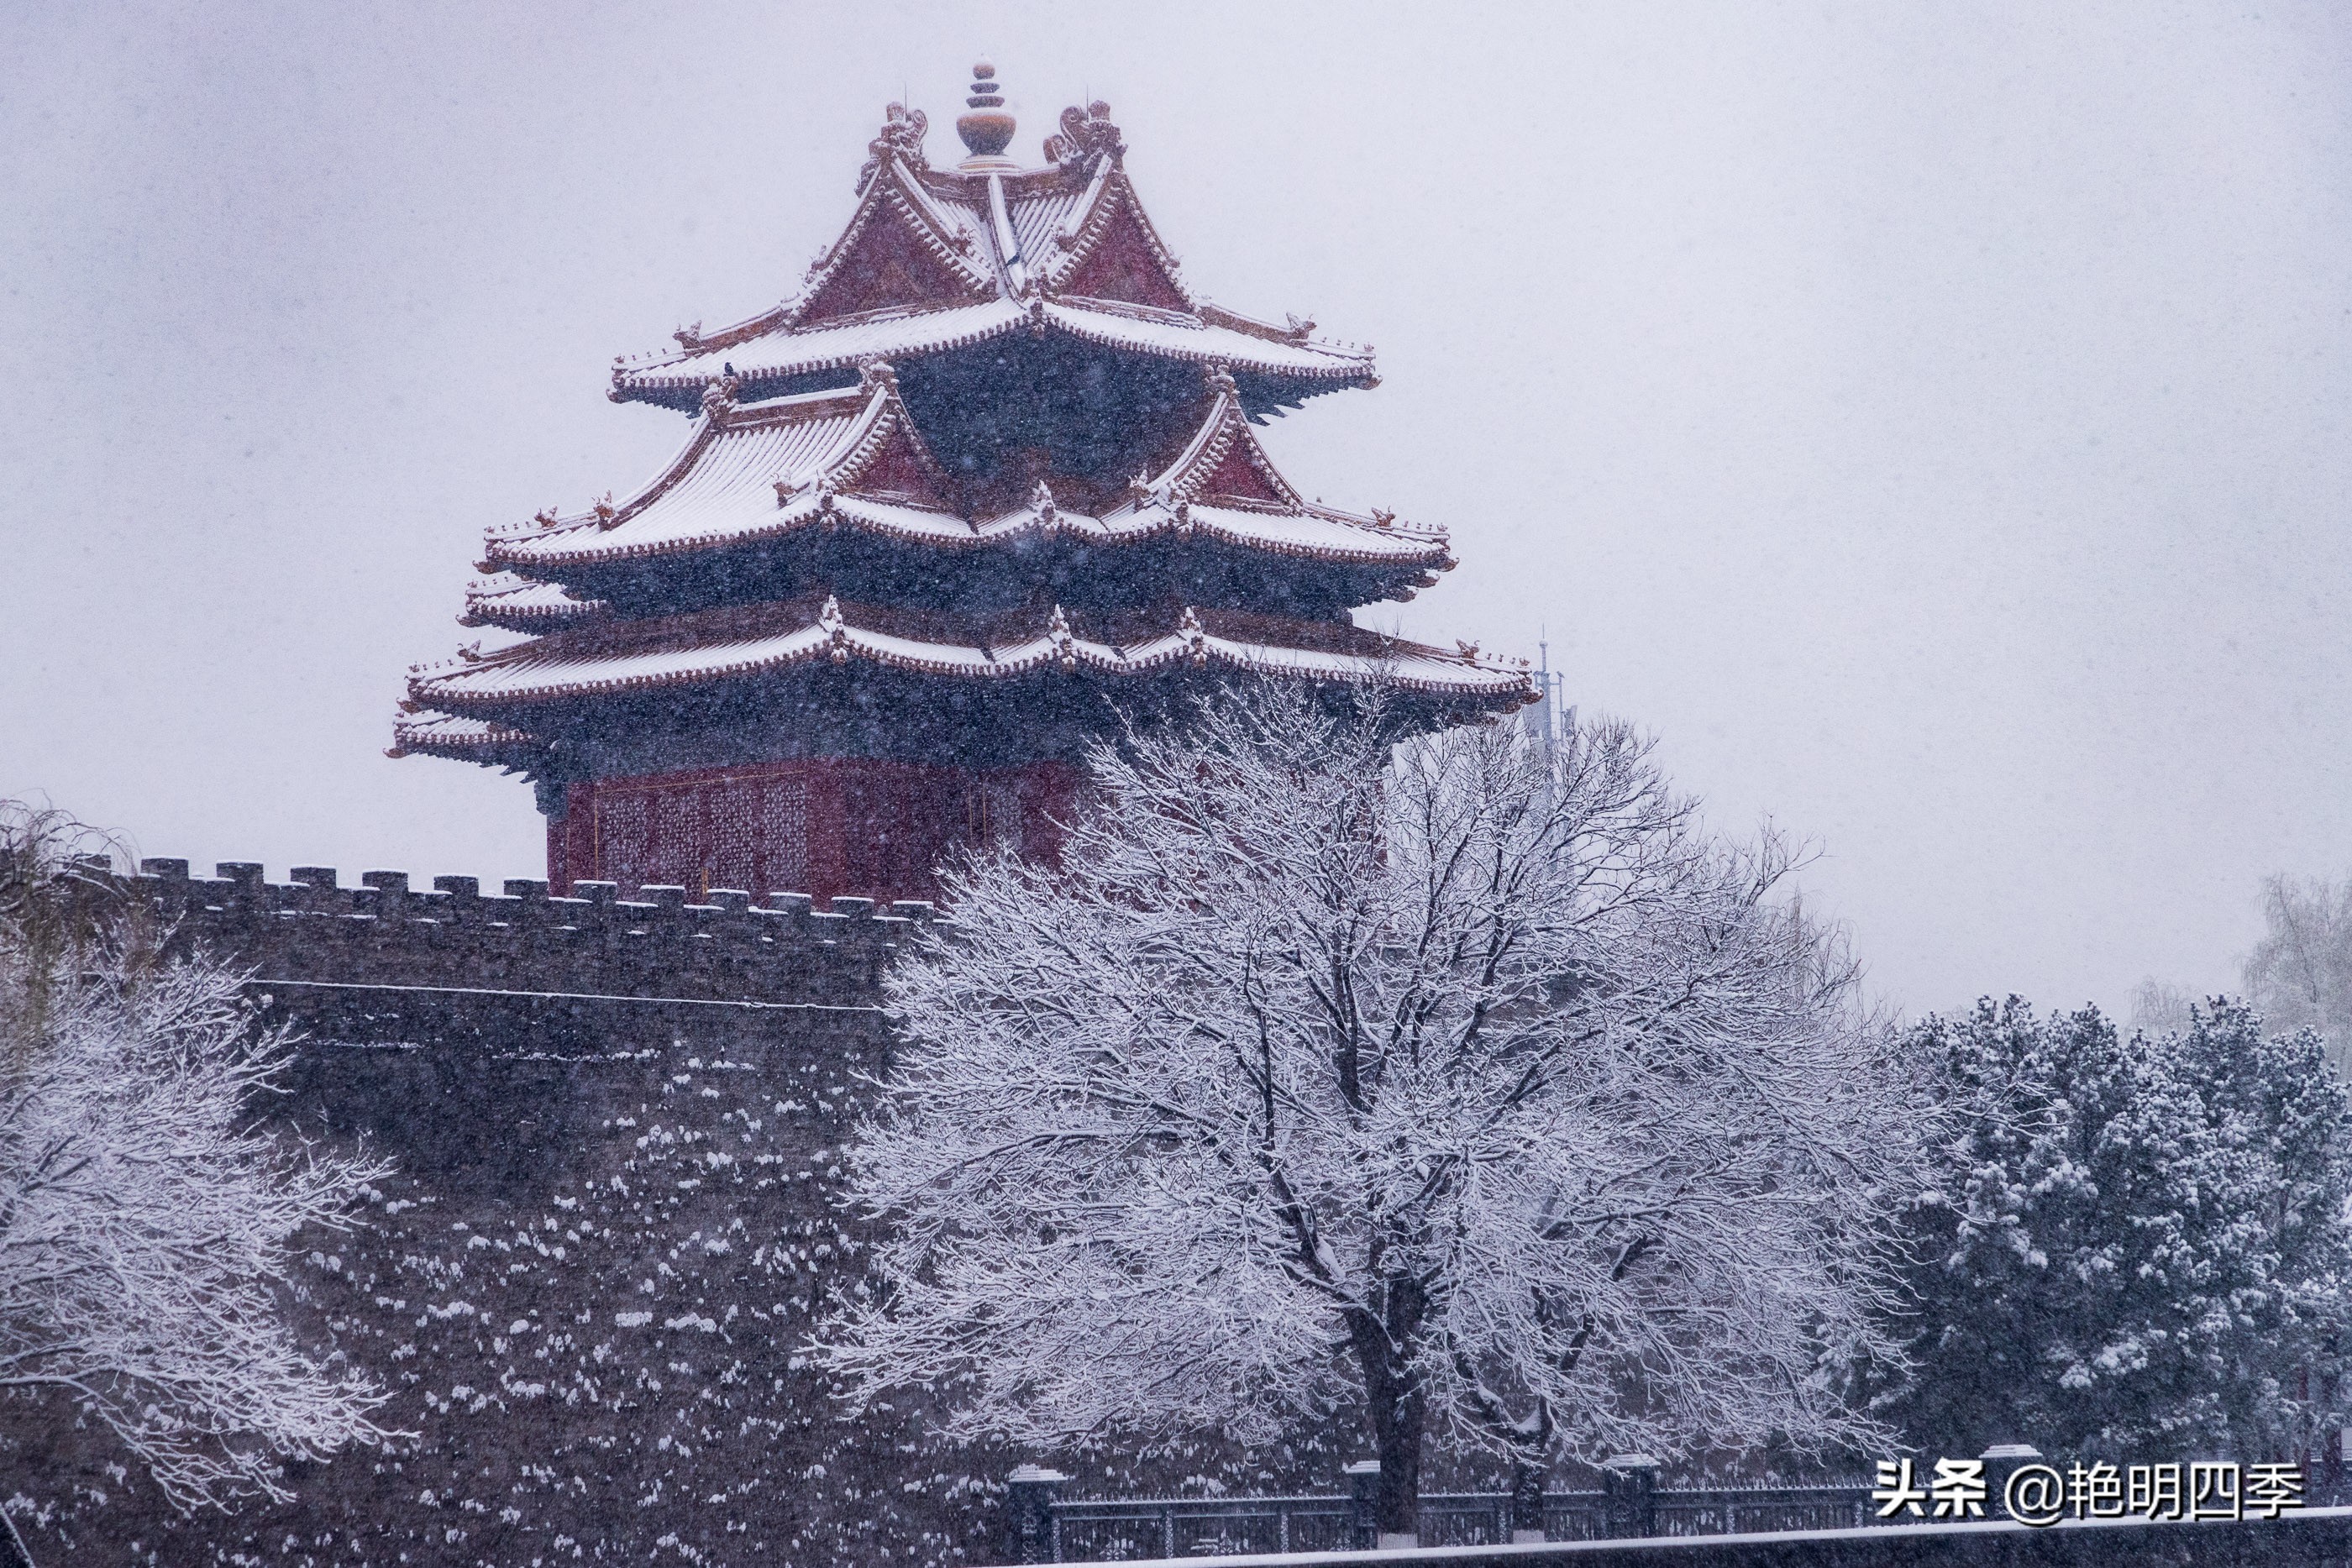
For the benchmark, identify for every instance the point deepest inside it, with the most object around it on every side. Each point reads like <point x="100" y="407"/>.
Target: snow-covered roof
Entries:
<point x="901" y="334"/>
<point x="752" y="472"/>
<point x="934" y="260"/>
<point x="607" y="659"/>
<point x="508" y="598"/>
<point x="853" y="458"/>
<point x="1182" y="337"/>
<point x="931" y="263"/>
<point x="467" y="740"/>
<point x="880" y="335"/>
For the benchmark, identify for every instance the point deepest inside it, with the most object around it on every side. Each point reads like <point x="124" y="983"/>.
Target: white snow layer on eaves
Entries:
<point x="838" y="345"/>
<point x="843" y="343"/>
<point x="677" y="523"/>
<point x="729" y="496"/>
<point x="542" y="676"/>
<point x="529" y="677"/>
<point x="1309" y="534"/>
<point x="510" y="594"/>
<point x="1206" y="344"/>
<point x="449" y="729"/>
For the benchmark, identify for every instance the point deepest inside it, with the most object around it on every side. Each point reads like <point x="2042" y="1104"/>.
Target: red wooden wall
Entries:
<point x="868" y="829"/>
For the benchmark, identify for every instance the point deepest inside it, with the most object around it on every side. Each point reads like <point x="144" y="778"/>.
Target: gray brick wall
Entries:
<point x="616" y="1125"/>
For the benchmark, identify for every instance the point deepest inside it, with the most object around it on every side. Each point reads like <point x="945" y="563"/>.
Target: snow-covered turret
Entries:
<point x="990" y="464"/>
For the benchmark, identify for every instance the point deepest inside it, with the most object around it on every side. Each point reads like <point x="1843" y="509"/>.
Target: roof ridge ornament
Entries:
<point x="877" y="375"/>
<point x="1195" y="638"/>
<point x="1042" y="499"/>
<point x="986" y="128"/>
<point x="1057" y="632"/>
<point x="1085" y="134"/>
<point x="1146" y="491"/>
<point x="901" y="137"/>
<point x="1221" y="381"/>
<point x="718" y="396"/>
<point x="835" y="630"/>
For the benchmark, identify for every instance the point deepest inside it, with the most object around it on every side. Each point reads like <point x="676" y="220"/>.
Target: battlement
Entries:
<point x="386" y="932"/>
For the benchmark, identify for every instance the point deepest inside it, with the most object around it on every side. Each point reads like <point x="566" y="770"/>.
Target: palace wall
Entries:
<point x="589" y="1279"/>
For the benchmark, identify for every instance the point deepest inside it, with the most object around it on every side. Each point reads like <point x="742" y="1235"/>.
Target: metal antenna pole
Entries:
<point x="1543" y="670"/>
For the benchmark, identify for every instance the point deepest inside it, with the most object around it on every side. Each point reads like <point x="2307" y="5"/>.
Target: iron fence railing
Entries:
<point x="1735" y="1511"/>
<point x="1087" y="1530"/>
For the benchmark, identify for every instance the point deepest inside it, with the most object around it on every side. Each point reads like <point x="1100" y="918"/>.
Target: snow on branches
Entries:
<point x="1486" y="1093"/>
<point x="2134" y="1247"/>
<point x="145" y="1218"/>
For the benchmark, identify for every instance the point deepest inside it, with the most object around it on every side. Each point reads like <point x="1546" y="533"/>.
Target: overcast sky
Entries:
<point x="1929" y="420"/>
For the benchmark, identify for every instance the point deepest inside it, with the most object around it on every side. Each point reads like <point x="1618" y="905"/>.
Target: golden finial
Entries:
<point x="986" y="129"/>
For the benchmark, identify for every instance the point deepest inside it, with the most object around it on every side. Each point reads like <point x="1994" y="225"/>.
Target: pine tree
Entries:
<point x="2133" y="1248"/>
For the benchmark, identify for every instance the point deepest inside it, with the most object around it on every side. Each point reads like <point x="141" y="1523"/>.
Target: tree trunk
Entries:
<point x="1398" y="1406"/>
<point x="1398" y="1510"/>
<point x="1527" y="1497"/>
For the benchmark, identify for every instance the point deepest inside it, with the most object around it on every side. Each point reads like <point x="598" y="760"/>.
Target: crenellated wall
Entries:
<point x="313" y="931"/>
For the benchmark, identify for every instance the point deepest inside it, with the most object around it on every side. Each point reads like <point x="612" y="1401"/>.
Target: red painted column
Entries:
<point x="559" y="868"/>
<point x="571" y="842"/>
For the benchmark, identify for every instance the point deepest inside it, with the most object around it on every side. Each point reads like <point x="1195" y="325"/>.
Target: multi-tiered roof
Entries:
<point x="993" y="459"/>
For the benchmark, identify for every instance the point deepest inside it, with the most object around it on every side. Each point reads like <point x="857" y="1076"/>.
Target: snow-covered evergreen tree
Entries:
<point x="2136" y="1248"/>
<point x="1491" y="1097"/>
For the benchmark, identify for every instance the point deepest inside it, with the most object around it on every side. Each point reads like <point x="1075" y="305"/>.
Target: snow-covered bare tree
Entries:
<point x="2160" y="1008"/>
<point x="1487" y="1095"/>
<point x="146" y="1211"/>
<point x="2299" y="975"/>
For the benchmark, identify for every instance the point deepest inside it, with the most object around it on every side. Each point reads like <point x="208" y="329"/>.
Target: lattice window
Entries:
<point x="625" y="835"/>
<point x="783" y="864"/>
<point x="686" y="837"/>
<point x="748" y="831"/>
<point x="732" y="823"/>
